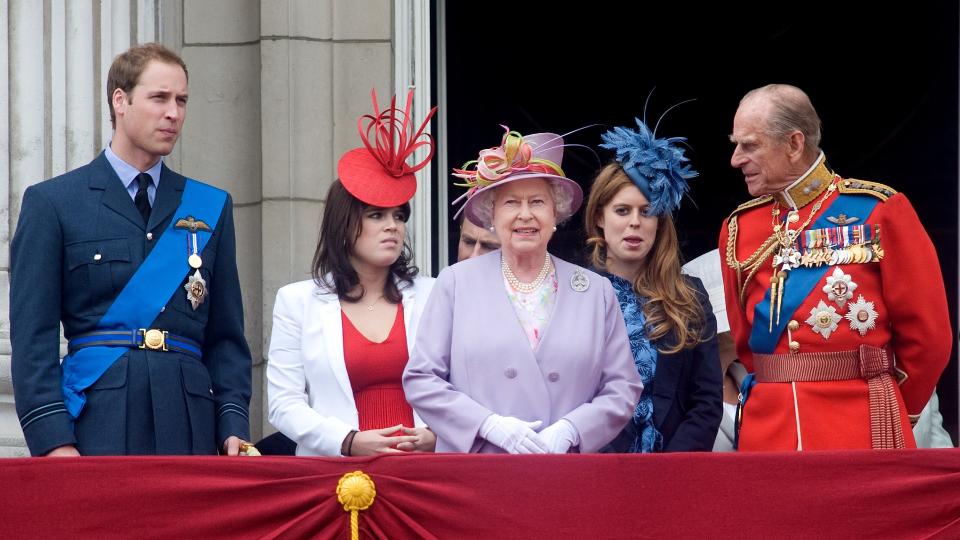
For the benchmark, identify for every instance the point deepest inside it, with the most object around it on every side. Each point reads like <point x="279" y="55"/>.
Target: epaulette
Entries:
<point x="866" y="187"/>
<point x="750" y="204"/>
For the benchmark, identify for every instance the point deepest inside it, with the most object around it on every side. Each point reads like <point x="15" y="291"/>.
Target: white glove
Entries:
<point x="513" y="435"/>
<point x="560" y="436"/>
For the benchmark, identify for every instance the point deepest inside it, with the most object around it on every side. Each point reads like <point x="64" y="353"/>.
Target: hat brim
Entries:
<point x="365" y="178"/>
<point x="469" y="208"/>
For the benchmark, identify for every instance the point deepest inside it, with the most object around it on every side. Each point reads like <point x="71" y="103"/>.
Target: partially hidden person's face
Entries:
<point x="524" y="215"/>
<point x="627" y="229"/>
<point x="763" y="159"/>
<point x="475" y="241"/>
<point x="382" y="231"/>
<point x="150" y="117"/>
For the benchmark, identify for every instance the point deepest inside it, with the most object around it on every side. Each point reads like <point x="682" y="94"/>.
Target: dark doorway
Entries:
<point x="883" y="79"/>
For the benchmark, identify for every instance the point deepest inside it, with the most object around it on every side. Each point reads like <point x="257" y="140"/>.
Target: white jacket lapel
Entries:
<point x="329" y="325"/>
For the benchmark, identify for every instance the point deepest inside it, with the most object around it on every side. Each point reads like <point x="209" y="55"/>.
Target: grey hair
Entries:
<point x="792" y="111"/>
<point x="562" y="203"/>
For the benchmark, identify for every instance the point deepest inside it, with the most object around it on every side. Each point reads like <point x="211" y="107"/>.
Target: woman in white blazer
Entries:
<point x="340" y="341"/>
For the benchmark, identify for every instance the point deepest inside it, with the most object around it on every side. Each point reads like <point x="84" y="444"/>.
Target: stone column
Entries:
<point x="220" y="145"/>
<point x="320" y="59"/>
<point x="53" y="117"/>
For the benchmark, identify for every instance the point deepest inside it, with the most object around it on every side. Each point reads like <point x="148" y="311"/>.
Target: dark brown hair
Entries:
<point x="339" y="230"/>
<point x="127" y="67"/>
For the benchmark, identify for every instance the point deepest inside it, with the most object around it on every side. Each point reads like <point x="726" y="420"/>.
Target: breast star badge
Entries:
<point x="824" y="319"/>
<point x="862" y="316"/>
<point x="196" y="290"/>
<point x="839" y="287"/>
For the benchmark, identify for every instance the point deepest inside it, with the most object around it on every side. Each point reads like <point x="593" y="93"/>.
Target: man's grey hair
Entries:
<point x="562" y="203"/>
<point x="792" y="110"/>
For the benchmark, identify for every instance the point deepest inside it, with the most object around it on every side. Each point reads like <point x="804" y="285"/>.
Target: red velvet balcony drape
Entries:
<point x="881" y="494"/>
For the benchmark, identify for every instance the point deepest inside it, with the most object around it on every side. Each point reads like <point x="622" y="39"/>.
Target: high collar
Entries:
<point x="808" y="187"/>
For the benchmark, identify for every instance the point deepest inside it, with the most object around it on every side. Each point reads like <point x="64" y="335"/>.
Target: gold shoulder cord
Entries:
<point x="751" y="263"/>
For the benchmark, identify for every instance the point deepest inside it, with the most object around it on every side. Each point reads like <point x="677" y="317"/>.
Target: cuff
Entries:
<point x="232" y="419"/>
<point x="572" y="429"/>
<point x="47" y="427"/>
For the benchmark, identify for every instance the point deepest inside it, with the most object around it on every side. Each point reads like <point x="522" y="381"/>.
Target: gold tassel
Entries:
<point x="774" y="282"/>
<point x="783" y="285"/>
<point x="355" y="491"/>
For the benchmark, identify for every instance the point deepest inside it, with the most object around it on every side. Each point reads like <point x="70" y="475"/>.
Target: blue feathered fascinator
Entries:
<point x="657" y="166"/>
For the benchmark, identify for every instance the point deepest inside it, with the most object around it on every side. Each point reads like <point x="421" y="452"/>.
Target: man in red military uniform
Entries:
<point x="834" y="293"/>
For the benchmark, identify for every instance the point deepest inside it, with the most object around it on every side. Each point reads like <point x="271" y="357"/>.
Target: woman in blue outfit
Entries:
<point x="671" y="327"/>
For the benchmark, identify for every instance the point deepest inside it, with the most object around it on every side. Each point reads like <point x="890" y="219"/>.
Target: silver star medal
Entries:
<point x="862" y="316"/>
<point x="579" y="281"/>
<point x="824" y="319"/>
<point x="839" y="287"/>
<point x="787" y="259"/>
<point x="196" y="289"/>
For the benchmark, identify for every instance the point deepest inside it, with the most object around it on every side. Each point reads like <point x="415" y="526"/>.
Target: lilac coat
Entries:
<point x="472" y="359"/>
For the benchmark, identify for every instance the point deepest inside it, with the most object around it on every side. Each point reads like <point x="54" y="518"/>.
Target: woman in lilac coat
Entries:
<point x="518" y="351"/>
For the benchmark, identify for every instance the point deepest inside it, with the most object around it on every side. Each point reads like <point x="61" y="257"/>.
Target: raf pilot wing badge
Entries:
<point x="842" y="219"/>
<point x="193" y="225"/>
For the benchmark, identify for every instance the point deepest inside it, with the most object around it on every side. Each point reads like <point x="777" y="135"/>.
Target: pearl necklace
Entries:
<point x="520" y="286"/>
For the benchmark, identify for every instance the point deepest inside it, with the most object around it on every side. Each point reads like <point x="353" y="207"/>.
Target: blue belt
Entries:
<point x="151" y="339"/>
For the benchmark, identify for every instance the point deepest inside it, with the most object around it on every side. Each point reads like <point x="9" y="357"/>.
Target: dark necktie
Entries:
<point x="142" y="200"/>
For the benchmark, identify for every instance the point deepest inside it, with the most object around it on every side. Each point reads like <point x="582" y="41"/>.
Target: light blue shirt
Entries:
<point x="128" y="174"/>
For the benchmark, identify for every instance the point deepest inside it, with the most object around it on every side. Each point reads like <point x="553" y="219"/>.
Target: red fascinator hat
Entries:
<point x="378" y="174"/>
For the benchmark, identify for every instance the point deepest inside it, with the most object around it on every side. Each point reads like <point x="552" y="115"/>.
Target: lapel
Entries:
<point x="564" y="272"/>
<point x="115" y="196"/>
<point x="330" y="326"/>
<point x="409" y="300"/>
<point x="169" y="193"/>
<point x="491" y="277"/>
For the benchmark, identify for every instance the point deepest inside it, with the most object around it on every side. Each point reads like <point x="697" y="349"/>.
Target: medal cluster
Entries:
<point x="847" y="244"/>
<point x="196" y="286"/>
<point x="788" y="256"/>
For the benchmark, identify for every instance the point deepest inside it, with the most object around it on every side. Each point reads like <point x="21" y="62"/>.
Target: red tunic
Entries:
<point x="907" y="292"/>
<point x="375" y="370"/>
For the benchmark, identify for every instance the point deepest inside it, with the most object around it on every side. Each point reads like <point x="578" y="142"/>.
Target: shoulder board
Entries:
<point x="751" y="203"/>
<point x="866" y="187"/>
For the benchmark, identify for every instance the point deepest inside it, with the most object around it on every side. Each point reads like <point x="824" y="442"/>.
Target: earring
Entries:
<point x="491" y="228"/>
<point x="554" y="228"/>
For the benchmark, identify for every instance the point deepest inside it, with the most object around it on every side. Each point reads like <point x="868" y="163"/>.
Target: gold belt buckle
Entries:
<point x="153" y="339"/>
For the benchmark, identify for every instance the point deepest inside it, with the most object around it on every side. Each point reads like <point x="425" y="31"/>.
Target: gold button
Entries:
<point x="793" y="326"/>
<point x="794" y="346"/>
<point x="793" y="217"/>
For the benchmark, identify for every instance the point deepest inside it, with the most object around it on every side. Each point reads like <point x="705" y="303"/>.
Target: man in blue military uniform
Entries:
<point x="138" y="264"/>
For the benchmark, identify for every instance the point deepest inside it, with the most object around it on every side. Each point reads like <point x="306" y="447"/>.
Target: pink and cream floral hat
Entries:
<point x="518" y="157"/>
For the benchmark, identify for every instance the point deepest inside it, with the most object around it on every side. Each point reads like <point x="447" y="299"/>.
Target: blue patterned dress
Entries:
<point x="648" y="439"/>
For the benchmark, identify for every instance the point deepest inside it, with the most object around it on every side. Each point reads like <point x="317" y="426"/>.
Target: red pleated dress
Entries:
<point x="375" y="370"/>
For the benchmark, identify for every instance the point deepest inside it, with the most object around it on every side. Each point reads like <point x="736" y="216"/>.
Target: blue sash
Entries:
<point x="802" y="280"/>
<point x="147" y="292"/>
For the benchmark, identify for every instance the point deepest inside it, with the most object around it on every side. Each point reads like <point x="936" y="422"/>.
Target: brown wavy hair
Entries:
<point x="672" y="306"/>
<point x="339" y="230"/>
